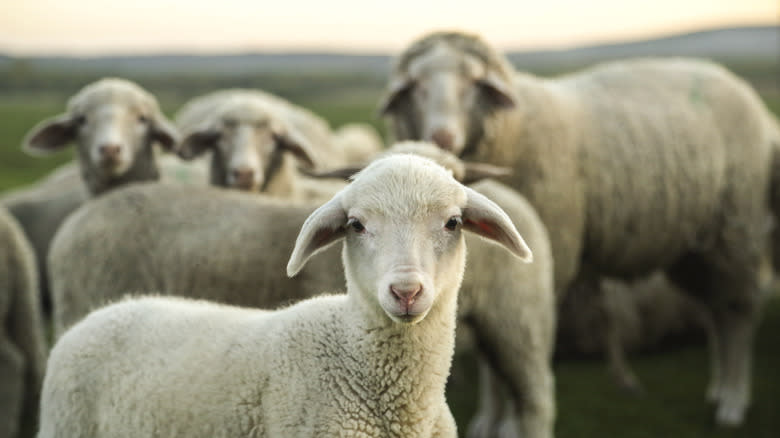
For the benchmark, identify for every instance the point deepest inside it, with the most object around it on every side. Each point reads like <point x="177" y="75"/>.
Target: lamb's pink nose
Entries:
<point x="406" y="294"/>
<point x="444" y="139"/>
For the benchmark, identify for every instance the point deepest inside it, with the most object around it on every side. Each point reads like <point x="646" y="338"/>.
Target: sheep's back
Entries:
<point x="669" y="151"/>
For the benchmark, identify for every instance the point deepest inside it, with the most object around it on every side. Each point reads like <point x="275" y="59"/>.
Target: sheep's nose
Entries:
<point x="444" y="139"/>
<point x="109" y="151"/>
<point x="406" y="294"/>
<point x="243" y="177"/>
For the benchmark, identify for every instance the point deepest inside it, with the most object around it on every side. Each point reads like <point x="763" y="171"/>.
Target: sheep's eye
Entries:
<point x="142" y="119"/>
<point x="81" y="120"/>
<point x="453" y="223"/>
<point x="356" y="225"/>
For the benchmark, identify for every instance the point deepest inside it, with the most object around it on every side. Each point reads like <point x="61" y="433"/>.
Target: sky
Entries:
<point x="94" y="27"/>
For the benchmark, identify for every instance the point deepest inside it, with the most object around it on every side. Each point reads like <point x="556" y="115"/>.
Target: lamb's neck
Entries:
<point x="431" y="340"/>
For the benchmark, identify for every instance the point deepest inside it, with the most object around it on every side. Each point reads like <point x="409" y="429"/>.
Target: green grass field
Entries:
<point x="589" y="404"/>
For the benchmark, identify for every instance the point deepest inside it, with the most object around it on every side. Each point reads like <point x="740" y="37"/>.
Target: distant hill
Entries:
<point x="730" y="44"/>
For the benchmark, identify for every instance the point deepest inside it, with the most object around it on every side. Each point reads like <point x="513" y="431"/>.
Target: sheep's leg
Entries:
<point x="736" y="330"/>
<point x="733" y="295"/>
<point x="521" y="361"/>
<point x="613" y="347"/>
<point x="490" y="405"/>
<point x="11" y="388"/>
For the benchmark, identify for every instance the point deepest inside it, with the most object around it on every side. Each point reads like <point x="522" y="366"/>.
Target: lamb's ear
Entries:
<point x="51" y="135"/>
<point x="483" y="217"/>
<point x="399" y="85"/>
<point x="324" y="227"/>
<point x="163" y="131"/>
<point x="479" y="171"/>
<point x="197" y="143"/>
<point x="497" y="90"/>
<point x="290" y="139"/>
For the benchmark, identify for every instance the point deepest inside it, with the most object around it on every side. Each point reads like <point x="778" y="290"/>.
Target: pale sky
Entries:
<point x="90" y="27"/>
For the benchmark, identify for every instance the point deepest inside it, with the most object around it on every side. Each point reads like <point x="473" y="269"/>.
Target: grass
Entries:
<point x="589" y="404"/>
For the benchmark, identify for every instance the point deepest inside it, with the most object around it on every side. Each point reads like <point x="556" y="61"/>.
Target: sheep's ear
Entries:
<point x="324" y="227"/>
<point x="478" y="171"/>
<point x="291" y="140"/>
<point x="483" y="217"/>
<point x="497" y="90"/>
<point x="399" y="86"/>
<point x="344" y="173"/>
<point x="197" y="143"/>
<point x="163" y="131"/>
<point x="51" y="135"/>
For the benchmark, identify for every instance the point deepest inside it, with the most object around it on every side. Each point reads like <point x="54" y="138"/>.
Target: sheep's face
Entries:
<point x="402" y="218"/>
<point x="112" y="121"/>
<point x="442" y="97"/>
<point x="248" y="146"/>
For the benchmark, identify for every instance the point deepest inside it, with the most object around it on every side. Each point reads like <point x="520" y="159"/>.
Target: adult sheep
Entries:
<point x="229" y="246"/>
<point x="114" y="124"/>
<point x="637" y="165"/>
<point x="22" y="341"/>
<point x="257" y="141"/>
<point x="373" y="362"/>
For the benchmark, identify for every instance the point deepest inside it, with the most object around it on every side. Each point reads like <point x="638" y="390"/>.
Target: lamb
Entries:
<point x="225" y="246"/>
<point x="373" y="362"/>
<point x="22" y="342"/>
<point x="638" y="165"/>
<point x="258" y="140"/>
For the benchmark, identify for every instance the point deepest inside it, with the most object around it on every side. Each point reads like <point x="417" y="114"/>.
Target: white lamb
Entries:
<point x="373" y="362"/>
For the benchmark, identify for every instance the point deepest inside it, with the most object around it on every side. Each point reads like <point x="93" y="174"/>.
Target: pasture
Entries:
<point x="589" y="404"/>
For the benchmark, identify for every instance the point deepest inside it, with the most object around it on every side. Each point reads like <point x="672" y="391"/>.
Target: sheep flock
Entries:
<point x="243" y="268"/>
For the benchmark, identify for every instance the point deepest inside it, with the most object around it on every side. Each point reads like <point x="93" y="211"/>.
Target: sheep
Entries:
<point x="225" y="245"/>
<point x="645" y="314"/>
<point x="22" y="341"/>
<point x="373" y="362"/>
<point x="357" y="142"/>
<point x="114" y="122"/>
<point x="250" y="132"/>
<point x="638" y="165"/>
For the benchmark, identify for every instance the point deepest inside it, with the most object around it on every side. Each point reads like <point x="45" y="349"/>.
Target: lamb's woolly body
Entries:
<point x="328" y="366"/>
<point x="22" y="342"/>
<point x="508" y="304"/>
<point x="636" y="165"/>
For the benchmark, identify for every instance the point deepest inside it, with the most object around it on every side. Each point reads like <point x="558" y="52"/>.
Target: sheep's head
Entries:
<point x="248" y="140"/>
<point x="113" y="122"/>
<point x="443" y="86"/>
<point x="401" y="218"/>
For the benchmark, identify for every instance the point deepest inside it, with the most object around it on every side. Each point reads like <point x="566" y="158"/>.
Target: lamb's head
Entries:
<point x="401" y="218"/>
<point x="249" y="140"/>
<point x="443" y="87"/>
<point x="114" y="123"/>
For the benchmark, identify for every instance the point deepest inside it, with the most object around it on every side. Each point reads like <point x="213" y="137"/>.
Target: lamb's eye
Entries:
<point x="453" y="223"/>
<point x="356" y="225"/>
<point x="142" y="119"/>
<point x="81" y="120"/>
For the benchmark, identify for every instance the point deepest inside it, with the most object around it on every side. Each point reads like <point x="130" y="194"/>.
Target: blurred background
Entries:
<point x="334" y="57"/>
